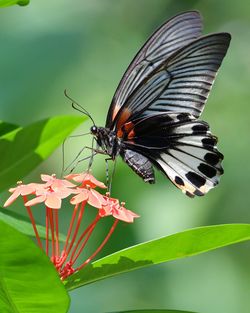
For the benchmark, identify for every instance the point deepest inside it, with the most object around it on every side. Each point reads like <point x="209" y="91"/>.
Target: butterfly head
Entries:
<point x="94" y="130"/>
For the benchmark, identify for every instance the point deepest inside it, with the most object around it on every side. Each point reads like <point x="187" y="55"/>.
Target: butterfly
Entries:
<point x="153" y="120"/>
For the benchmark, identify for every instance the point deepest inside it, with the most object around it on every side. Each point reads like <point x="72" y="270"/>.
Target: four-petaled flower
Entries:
<point x="113" y="207"/>
<point x="86" y="179"/>
<point x="89" y="195"/>
<point x="51" y="198"/>
<point x="21" y="190"/>
<point x="55" y="183"/>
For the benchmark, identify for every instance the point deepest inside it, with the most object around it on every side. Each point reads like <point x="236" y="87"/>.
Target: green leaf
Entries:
<point x="22" y="149"/>
<point x="6" y="3"/>
<point x="173" y="247"/>
<point x="22" y="224"/>
<point x="153" y="311"/>
<point x="28" y="281"/>
<point x="6" y="128"/>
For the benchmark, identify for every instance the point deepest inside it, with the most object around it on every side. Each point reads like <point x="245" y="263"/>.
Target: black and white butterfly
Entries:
<point x="153" y="118"/>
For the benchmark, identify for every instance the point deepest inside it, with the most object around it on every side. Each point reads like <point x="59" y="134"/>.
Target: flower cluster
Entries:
<point x="81" y="189"/>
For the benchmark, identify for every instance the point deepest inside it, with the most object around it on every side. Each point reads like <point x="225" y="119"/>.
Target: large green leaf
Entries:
<point x="22" y="224"/>
<point x="180" y="245"/>
<point x="6" y="3"/>
<point x="22" y="149"/>
<point x="28" y="281"/>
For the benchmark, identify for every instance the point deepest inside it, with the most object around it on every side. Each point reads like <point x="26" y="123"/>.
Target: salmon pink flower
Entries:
<point x="20" y="190"/>
<point x="55" y="183"/>
<point x="51" y="192"/>
<point x="86" y="179"/>
<point x="89" y="195"/>
<point x="113" y="207"/>
<point x="51" y="198"/>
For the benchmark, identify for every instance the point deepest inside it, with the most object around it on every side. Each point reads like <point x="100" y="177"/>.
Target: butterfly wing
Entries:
<point x="171" y="36"/>
<point x="182" y="147"/>
<point x="155" y="107"/>
<point x="180" y="84"/>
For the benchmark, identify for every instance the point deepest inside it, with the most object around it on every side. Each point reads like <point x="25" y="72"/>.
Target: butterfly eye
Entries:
<point x="93" y="130"/>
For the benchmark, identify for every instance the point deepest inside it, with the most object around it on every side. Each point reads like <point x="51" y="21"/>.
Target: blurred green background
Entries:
<point x="85" y="46"/>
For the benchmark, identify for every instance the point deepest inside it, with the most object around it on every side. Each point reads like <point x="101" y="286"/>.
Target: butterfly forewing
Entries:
<point x="170" y="37"/>
<point x="182" y="83"/>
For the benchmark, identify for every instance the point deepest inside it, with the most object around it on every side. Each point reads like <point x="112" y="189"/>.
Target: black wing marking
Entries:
<point x="182" y="83"/>
<point x="181" y="147"/>
<point x="171" y="36"/>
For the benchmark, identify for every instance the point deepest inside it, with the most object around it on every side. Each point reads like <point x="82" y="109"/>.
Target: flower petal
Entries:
<point x="67" y="183"/>
<point x="37" y="186"/>
<point x="86" y="179"/>
<point x="36" y="200"/>
<point x="96" y="199"/>
<point x="12" y="198"/>
<point x="92" y="181"/>
<point x="63" y="193"/>
<point x="13" y="189"/>
<point x="53" y="201"/>
<point x="82" y="196"/>
<point x="61" y="183"/>
<point x="76" y="177"/>
<point x="124" y="215"/>
<point x="105" y="210"/>
<point x="27" y="189"/>
<point x="47" y="178"/>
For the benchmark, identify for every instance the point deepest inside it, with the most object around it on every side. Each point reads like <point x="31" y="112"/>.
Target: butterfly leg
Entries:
<point x="63" y="151"/>
<point x="107" y="171"/>
<point x="90" y="158"/>
<point x="109" y="180"/>
<point x="73" y="161"/>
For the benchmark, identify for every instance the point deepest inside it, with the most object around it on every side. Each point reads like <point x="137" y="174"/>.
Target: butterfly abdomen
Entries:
<point x="139" y="164"/>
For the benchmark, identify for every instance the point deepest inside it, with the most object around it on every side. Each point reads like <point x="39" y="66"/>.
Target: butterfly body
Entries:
<point x="114" y="146"/>
<point x="153" y="119"/>
<point x="107" y="141"/>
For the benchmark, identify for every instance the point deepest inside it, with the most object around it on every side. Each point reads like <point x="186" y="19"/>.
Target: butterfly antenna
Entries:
<point x="78" y="107"/>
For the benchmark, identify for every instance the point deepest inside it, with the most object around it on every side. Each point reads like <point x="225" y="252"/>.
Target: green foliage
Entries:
<point x="6" y="127"/>
<point x="6" y="3"/>
<point x="169" y="248"/>
<point x="28" y="281"/>
<point x="22" y="224"/>
<point x="23" y="148"/>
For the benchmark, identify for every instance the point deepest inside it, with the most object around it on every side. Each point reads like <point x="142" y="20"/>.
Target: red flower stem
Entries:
<point x="25" y="199"/>
<point x="52" y="233"/>
<point x="88" y="231"/>
<point x="80" y="215"/>
<point x="70" y="227"/>
<point x="64" y="254"/>
<point x="57" y="233"/>
<point x="101" y="245"/>
<point x="47" y="231"/>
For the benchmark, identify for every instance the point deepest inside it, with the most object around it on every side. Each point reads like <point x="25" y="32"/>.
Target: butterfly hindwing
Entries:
<point x="181" y="147"/>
